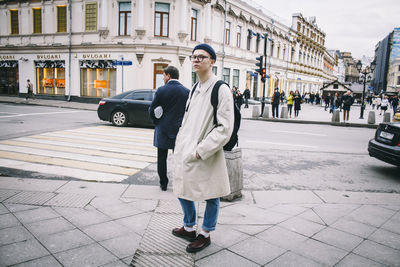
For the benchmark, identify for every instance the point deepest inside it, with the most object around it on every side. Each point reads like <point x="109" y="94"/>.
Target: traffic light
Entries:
<point x="260" y="64"/>
<point x="263" y="75"/>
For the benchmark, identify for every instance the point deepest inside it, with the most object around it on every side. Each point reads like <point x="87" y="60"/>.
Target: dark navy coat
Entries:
<point x="172" y="98"/>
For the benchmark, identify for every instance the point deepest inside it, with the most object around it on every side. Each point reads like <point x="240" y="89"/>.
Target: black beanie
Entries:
<point x="207" y="48"/>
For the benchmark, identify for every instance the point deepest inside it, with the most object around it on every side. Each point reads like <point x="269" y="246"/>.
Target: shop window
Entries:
<point x="14" y="21"/>
<point x="235" y="78"/>
<point x="226" y="75"/>
<point x="398" y="80"/>
<point x="125" y="18"/>
<point x="91" y="17"/>
<point x="9" y="77"/>
<point x="158" y="75"/>
<point x="193" y="35"/>
<point x="37" y="20"/>
<point x="98" y="78"/>
<point x="61" y="19"/>
<point x="161" y="20"/>
<point x="50" y="77"/>
<point x="238" y="36"/>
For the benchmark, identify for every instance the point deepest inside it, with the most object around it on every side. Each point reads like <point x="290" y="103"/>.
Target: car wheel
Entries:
<point x="119" y="118"/>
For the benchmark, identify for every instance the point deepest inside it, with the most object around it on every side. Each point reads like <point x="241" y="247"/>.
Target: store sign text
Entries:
<point x="96" y="56"/>
<point x="6" y="57"/>
<point x="48" y="56"/>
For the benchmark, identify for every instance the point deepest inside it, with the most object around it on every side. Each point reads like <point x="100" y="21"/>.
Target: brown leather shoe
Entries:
<point x="199" y="244"/>
<point x="182" y="233"/>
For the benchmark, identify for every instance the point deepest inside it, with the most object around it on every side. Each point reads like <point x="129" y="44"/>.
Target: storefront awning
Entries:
<point x="96" y="64"/>
<point x="50" y="64"/>
<point x="9" y="64"/>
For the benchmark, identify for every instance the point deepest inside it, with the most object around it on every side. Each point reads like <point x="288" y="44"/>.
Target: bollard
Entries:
<point x="256" y="112"/>
<point x="336" y="116"/>
<point x="371" y="117"/>
<point x="266" y="112"/>
<point x="235" y="172"/>
<point x="284" y="113"/>
<point x="386" y="117"/>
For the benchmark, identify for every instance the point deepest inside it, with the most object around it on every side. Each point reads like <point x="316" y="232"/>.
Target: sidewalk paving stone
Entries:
<point x="115" y="264"/>
<point x="347" y="197"/>
<point x="225" y="258"/>
<point x="21" y="252"/>
<point x="371" y="215"/>
<point x="67" y="240"/>
<point x="356" y="260"/>
<point x="13" y="235"/>
<point x="20" y="207"/>
<point x="285" y="197"/>
<point x="138" y="223"/>
<point x="35" y="215"/>
<point x="330" y="213"/>
<point x="41" y="262"/>
<point x="123" y="246"/>
<point x="354" y="227"/>
<point x="82" y="218"/>
<point x="386" y="238"/>
<point x="30" y="184"/>
<point x="31" y="198"/>
<point x="290" y="259"/>
<point x="379" y="253"/>
<point x="6" y="194"/>
<point x="106" y="230"/>
<point x="48" y="227"/>
<point x="8" y="220"/>
<point x="3" y="209"/>
<point x="84" y="256"/>
<point x="226" y="236"/>
<point x="393" y="224"/>
<point x="282" y="237"/>
<point x="257" y="250"/>
<point x="338" y="239"/>
<point x="99" y="189"/>
<point x="302" y="226"/>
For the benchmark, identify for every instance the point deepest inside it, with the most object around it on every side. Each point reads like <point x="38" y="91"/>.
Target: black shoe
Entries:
<point x="182" y="233"/>
<point x="163" y="187"/>
<point x="199" y="244"/>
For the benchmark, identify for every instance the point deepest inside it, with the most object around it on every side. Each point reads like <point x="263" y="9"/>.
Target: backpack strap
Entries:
<point x="214" y="98"/>
<point x="191" y="94"/>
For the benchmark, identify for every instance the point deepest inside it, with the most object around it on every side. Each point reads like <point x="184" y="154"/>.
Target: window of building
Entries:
<point x="14" y="21"/>
<point x="271" y="51"/>
<point x="238" y="36"/>
<point x="193" y="35"/>
<point x="298" y="26"/>
<point x="195" y="79"/>
<point x="292" y="55"/>
<point x="226" y="75"/>
<point x="61" y="19"/>
<point x="398" y="80"/>
<point x="284" y="52"/>
<point x="235" y="78"/>
<point x="9" y="77"/>
<point x="91" y="17"/>
<point x="124" y="18"/>
<point x="278" y="50"/>
<point x="37" y="20"/>
<point x="50" y="77"/>
<point x="336" y="86"/>
<point x="214" y="70"/>
<point x="227" y="33"/>
<point x="399" y="68"/>
<point x="161" y="17"/>
<point x="158" y="75"/>
<point x="249" y="40"/>
<point x="258" y="42"/>
<point x="98" y="78"/>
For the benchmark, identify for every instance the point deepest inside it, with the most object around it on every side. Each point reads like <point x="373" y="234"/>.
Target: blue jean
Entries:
<point x="210" y="214"/>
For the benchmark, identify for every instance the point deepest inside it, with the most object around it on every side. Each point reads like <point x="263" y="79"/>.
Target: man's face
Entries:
<point x="166" y="77"/>
<point x="201" y="60"/>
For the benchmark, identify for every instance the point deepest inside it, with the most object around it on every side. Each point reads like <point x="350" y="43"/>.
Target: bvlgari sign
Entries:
<point x="7" y="57"/>
<point x="48" y="57"/>
<point x="96" y="56"/>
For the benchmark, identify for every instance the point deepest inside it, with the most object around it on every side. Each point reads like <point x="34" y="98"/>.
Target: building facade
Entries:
<point x="90" y="49"/>
<point x="351" y="73"/>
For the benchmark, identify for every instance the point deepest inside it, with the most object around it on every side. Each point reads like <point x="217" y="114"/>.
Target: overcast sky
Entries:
<point x="354" y="26"/>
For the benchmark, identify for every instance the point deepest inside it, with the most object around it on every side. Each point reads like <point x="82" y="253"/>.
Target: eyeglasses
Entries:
<point x="198" y="58"/>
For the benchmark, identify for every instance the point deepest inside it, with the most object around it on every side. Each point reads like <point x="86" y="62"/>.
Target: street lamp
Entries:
<point x="364" y="73"/>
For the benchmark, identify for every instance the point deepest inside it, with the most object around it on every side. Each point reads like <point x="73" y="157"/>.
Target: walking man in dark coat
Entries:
<point x="166" y="111"/>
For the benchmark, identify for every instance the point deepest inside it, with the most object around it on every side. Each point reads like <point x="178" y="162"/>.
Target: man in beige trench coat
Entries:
<point x="200" y="170"/>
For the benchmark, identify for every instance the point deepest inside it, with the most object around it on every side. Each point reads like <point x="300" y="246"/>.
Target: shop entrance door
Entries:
<point x="9" y="83"/>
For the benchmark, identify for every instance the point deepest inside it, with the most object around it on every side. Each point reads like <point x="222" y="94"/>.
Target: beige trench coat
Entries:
<point x="205" y="178"/>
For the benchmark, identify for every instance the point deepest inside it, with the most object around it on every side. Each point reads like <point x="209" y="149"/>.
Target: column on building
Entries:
<point x="207" y="33"/>
<point x="183" y="22"/>
<point x="140" y="14"/>
<point x="104" y="9"/>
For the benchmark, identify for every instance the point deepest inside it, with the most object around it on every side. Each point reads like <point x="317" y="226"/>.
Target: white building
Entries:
<point x="72" y="48"/>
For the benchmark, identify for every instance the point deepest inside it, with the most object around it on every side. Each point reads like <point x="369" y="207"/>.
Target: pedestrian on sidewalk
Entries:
<point x="312" y="97"/>
<point x="275" y="103"/>
<point x="29" y="87"/>
<point x="297" y="103"/>
<point x="378" y="103"/>
<point x="289" y="102"/>
<point x="334" y="102"/>
<point x="348" y="100"/>
<point x="200" y="170"/>
<point x="373" y="102"/>
<point x="317" y="99"/>
<point x="395" y="103"/>
<point x="239" y="99"/>
<point x="384" y="105"/>
<point x="246" y="94"/>
<point x="167" y="111"/>
<point x="327" y="100"/>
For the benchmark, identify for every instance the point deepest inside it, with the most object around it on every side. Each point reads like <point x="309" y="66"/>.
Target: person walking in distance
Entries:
<point x="297" y="99"/>
<point x="327" y="100"/>
<point x="246" y="94"/>
<point x="289" y="102"/>
<point x="347" y="100"/>
<point x="276" y="98"/>
<point x="167" y="111"/>
<point x="395" y="103"/>
<point x="200" y="171"/>
<point x="384" y="105"/>
<point x="29" y="87"/>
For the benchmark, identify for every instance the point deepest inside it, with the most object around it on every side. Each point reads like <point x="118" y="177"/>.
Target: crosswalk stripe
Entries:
<point x="68" y="163"/>
<point x="142" y="131"/>
<point x="74" y="156"/>
<point x="146" y="140"/>
<point x="79" y="150"/>
<point x="62" y="171"/>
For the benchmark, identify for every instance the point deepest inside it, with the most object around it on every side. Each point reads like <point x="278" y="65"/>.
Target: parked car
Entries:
<point x="396" y="116"/>
<point x="386" y="144"/>
<point x="128" y="107"/>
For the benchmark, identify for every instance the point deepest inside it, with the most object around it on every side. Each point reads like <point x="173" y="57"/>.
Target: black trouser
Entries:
<point x="296" y="112"/>
<point x="162" y="165"/>
<point x="290" y="109"/>
<point x="275" y="110"/>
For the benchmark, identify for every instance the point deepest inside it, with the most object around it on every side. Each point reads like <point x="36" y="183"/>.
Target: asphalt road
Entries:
<point x="275" y="155"/>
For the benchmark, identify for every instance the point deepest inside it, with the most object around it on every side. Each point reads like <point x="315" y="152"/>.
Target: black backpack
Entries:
<point x="234" y="140"/>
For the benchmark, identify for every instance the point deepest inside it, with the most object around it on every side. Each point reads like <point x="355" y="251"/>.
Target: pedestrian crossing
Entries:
<point x="99" y="153"/>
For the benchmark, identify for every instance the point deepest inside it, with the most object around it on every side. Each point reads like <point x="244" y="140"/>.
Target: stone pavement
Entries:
<point x="71" y="223"/>
<point x="314" y="114"/>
